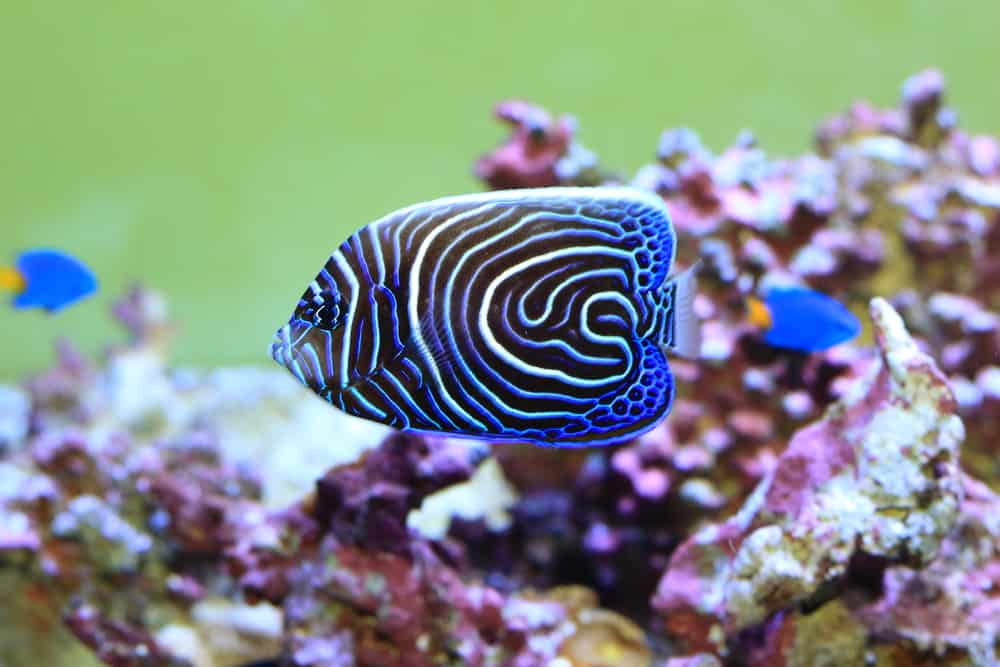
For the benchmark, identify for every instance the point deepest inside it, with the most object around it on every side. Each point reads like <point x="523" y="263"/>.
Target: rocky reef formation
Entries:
<point x="874" y="482"/>
<point x="837" y="508"/>
<point x="129" y="527"/>
<point x="895" y="202"/>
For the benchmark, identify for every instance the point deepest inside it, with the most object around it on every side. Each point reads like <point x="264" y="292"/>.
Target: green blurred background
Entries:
<point x="220" y="150"/>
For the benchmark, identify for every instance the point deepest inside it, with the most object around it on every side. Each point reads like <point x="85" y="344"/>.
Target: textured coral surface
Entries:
<point x="835" y="508"/>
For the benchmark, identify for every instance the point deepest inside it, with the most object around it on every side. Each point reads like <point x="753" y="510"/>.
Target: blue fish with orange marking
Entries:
<point x="802" y="319"/>
<point x="47" y="279"/>
<point x="538" y="315"/>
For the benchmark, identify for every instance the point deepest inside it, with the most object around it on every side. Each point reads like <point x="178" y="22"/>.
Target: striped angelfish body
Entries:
<point x="532" y="315"/>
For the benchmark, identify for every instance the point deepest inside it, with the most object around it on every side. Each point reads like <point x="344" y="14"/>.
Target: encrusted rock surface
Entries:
<point x="877" y="478"/>
<point x="139" y="527"/>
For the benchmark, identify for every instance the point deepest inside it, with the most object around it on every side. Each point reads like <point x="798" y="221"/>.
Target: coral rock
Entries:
<point x="540" y="152"/>
<point x="15" y="408"/>
<point x="877" y="475"/>
<point x="952" y="607"/>
<point x="118" y="644"/>
<point x="700" y="660"/>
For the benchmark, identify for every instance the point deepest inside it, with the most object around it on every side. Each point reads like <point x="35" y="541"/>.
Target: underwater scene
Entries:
<point x="513" y="403"/>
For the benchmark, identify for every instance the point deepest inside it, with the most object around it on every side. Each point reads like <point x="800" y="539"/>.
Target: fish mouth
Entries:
<point x="291" y="349"/>
<point x="285" y="351"/>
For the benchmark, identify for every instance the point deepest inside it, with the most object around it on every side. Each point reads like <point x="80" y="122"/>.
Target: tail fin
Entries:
<point x="686" y="329"/>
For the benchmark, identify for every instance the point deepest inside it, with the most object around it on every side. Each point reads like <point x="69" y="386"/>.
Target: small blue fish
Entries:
<point x="47" y="279"/>
<point x="802" y="319"/>
<point x="535" y="315"/>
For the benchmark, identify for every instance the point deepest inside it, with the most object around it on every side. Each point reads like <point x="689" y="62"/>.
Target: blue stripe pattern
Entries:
<point x="524" y="315"/>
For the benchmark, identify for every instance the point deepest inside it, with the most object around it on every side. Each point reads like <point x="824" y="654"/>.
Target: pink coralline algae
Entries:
<point x="835" y="508"/>
<point x="965" y="336"/>
<point x="115" y="643"/>
<point x="877" y="477"/>
<point x="542" y="151"/>
<point x="951" y="608"/>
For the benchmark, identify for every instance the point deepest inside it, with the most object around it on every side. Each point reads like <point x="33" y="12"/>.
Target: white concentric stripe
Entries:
<point x="522" y="314"/>
<point x="414" y="315"/>
<point x="377" y="252"/>
<point x="558" y="274"/>
<point x="569" y="349"/>
<point x="345" y="348"/>
<point x="309" y="353"/>
<point x="617" y="341"/>
<point x="495" y="240"/>
<point x="329" y="352"/>
<point x="325" y="274"/>
<point x="426" y="217"/>
<point x="397" y="411"/>
<point x="594" y="336"/>
<point x="365" y="403"/>
<point x="455" y="270"/>
<point x="413" y="368"/>
<point x="471" y="374"/>
<point x="393" y="228"/>
<point x="512" y="359"/>
<point x="363" y="272"/>
<point x="473" y="282"/>
<point x="373" y="358"/>
<point x="408" y="398"/>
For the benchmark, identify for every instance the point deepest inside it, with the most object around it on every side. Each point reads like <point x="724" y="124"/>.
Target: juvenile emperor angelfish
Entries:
<point x="537" y="315"/>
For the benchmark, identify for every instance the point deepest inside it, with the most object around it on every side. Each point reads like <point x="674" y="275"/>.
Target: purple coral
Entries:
<point x="541" y="151"/>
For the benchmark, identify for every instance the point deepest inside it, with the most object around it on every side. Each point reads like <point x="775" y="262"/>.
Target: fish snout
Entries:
<point x="305" y="352"/>
<point x="283" y="348"/>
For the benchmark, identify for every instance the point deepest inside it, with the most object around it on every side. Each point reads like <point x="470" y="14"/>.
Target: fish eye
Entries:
<point x="325" y="314"/>
<point x="328" y="316"/>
